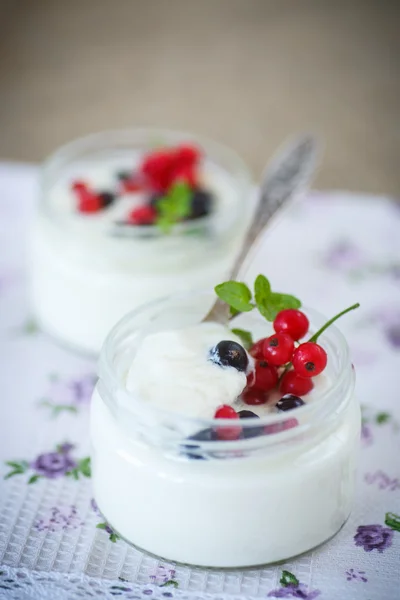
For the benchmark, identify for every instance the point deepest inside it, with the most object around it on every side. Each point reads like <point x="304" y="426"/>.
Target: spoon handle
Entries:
<point x="289" y="173"/>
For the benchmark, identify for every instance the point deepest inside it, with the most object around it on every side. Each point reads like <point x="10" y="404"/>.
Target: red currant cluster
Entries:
<point x="299" y="363"/>
<point x="157" y="173"/>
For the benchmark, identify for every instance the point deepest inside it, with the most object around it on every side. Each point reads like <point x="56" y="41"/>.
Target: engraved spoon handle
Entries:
<point x="289" y="173"/>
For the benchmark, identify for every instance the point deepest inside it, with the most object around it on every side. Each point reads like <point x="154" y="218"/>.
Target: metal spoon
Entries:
<point x="289" y="173"/>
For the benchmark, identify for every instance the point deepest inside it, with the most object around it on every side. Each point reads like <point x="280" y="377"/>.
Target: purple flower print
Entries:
<point x="374" y="537"/>
<point x="292" y="588"/>
<point x="343" y="255"/>
<point x="382" y="480"/>
<point x="366" y="435"/>
<point x="55" y="464"/>
<point x="392" y="334"/>
<point x="353" y="575"/>
<point x="67" y="395"/>
<point x="163" y="576"/>
<point x="113" y="535"/>
<point x="61" y="518"/>
<point x="294" y="591"/>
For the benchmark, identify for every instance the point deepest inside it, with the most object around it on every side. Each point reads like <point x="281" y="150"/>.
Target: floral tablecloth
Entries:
<point x="331" y="250"/>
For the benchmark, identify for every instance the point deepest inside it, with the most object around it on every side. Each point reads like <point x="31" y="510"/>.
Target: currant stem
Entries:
<point x="329" y="323"/>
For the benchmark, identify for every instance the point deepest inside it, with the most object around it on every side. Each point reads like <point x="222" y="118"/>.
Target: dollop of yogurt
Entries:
<point x="173" y="371"/>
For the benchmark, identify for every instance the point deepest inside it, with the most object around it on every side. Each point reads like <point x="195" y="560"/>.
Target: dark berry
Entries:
<point x="205" y="435"/>
<point x="247" y="414"/>
<point x="106" y="198"/>
<point x="256" y="351"/>
<point x="288" y="402"/>
<point x="278" y="349"/>
<point x="250" y="432"/>
<point x="291" y="383"/>
<point x="309" y="359"/>
<point x="142" y="215"/>
<point x="253" y="396"/>
<point x="266" y="376"/>
<point x="293" y="322"/>
<point x="201" y="204"/>
<point x="230" y="354"/>
<point x="123" y="175"/>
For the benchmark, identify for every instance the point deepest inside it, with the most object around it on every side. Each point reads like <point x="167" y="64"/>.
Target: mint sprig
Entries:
<point x="236" y="294"/>
<point x="174" y="206"/>
<point x="239" y="297"/>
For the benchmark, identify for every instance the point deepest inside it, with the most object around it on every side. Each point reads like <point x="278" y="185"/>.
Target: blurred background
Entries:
<point x="245" y="72"/>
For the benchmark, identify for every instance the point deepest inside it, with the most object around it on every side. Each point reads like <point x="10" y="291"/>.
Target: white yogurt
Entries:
<point x="171" y="371"/>
<point x="85" y="278"/>
<point x="262" y="500"/>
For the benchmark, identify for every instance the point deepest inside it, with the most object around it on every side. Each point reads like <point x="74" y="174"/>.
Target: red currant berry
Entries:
<point x="291" y="383"/>
<point x="157" y="169"/>
<point x="253" y="396"/>
<point x="142" y="215"/>
<point x="309" y="359"/>
<point x="266" y="376"/>
<point x="187" y="154"/>
<point x="89" y="203"/>
<point x="278" y="349"/>
<point x="79" y="185"/>
<point x="225" y="412"/>
<point x="256" y="351"/>
<point x="293" y="322"/>
<point x="227" y="433"/>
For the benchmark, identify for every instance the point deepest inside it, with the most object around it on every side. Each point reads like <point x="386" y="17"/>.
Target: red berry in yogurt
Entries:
<point x="293" y="322"/>
<point x="278" y="349"/>
<point x="292" y="383"/>
<point x="266" y="376"/>
<point x="309" y="359"/>
<point x="142" y="215"/>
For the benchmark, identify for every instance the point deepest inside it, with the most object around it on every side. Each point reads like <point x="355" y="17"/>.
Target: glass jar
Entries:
<point x="284" y="488"/>
<point x="86" y="274"/>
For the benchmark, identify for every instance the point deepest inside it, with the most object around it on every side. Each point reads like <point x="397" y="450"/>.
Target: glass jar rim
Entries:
<point x="327" y="404"/>
<point x="56" y="159"/>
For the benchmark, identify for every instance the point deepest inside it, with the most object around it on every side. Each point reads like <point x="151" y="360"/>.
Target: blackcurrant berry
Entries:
<point x="230" y="354"/>
<point x="288" y="402"/>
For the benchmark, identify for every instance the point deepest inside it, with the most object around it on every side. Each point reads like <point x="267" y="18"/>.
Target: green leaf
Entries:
<point x="262" y="295"/>
<point x="382" y="417"/>
<point x="393" y="521"/>
<point x="84" y="467"/>
<point x="236" y="294"/>
<point x="172" y="582"/>
<point x="101" y="526"/>
<point x="284" y="301"/>
<point x="245" y="337"/>
<point x="73" y="473"/>
<point x="15" y="465"/>
<point x="11" y="474"/>
<point x="33" y="478"/>
<point x="174" y="207"/>
<point x="60" y="408"/>
<point x="288" y="578"/>
<point x="114" y="537"/>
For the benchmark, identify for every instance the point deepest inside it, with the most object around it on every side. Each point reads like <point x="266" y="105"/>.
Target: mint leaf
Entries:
<point x="393" y="521"/>
<point x="288" y="578"/>
<point x="236" y="294"/>
<point x="245" y="336"/>
<point x="262" y="295"/>
<point x="174" y="206"/>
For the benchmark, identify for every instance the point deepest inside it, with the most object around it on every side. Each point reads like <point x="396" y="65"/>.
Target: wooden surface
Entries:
<point x="246" y="72"/>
